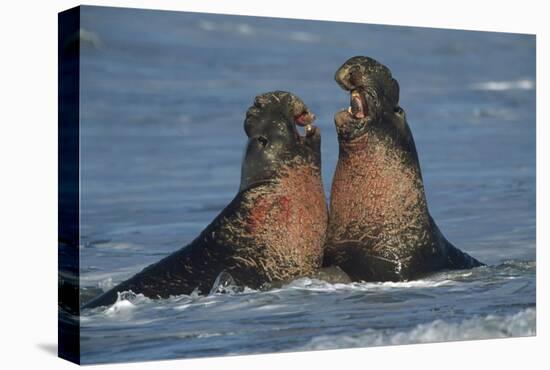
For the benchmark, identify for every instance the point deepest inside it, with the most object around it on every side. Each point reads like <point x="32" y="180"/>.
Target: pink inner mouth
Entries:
<point x="304" y="119"/>
<point x="358" y="105"/>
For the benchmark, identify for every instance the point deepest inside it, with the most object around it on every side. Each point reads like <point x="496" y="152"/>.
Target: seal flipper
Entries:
<point x="458" y="260"/>
<point x="455" y="258"/>
<point x="178" y="273"/>
<point x="186" y="269"/>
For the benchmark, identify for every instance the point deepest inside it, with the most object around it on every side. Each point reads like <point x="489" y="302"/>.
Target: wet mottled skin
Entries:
<point x="273" y="230"/>
<point x="379" y="226"/>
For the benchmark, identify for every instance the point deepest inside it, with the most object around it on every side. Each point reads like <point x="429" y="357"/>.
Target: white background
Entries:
<point x="28" y="168"/>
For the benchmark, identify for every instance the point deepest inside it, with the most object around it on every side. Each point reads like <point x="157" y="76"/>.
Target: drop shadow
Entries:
<point x="50" y="348"/>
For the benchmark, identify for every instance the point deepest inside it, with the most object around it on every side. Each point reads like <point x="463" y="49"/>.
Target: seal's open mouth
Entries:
<point x="358" y="105"/>
<point x="374" y="93"/>
<point x="352" y="121"/>
<point x="280" y="134"/>
<point x="358" y="109"/>
<point x="305" y="119"/>
<point x="280" y="115"/>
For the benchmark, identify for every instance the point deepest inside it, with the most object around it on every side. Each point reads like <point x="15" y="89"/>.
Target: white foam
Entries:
<point x="182" y="307"/>
<point x="320" y="285"/>
<point x="206" y="25"/>
<point x="122" y="307"/>
<point x="125" y="304"/>
<point x="492" y="326"/>
<point x="106" y="284"/>
<point x="304" y="37"/>
<point x="504" y="85"/>
<point x="244" y="29"/>
<point x="409" y="284"/>
<point x="118" y="246"/>
<point x="241" y="28"/>
<point x="208" y="335"/>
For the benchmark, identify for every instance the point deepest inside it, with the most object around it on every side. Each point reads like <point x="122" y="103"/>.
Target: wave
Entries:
<point x="302" y="36"/>
<point x="225" y="284"/>
<point x="520" y="324"/>
<point x="129" y="301"/>
<point x="506" y="114"/>
<point x="241" y="28"/>
<point x="225" y="287"/>
<point x="504" y="85"/>
<point x="320" y="285"/>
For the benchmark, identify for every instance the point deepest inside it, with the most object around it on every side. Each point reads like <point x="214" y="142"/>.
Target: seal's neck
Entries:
<point x="284" y="223"/>
<point x="347" y="147"/>
<point x="376" y="184"/>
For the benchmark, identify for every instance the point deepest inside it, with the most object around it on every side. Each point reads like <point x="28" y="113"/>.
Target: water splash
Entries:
<point x="125" y="304"/>
<point x="225" y="284"/>
<point x="520" y="324"/>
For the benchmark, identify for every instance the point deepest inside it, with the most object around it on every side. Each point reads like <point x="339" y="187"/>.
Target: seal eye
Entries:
<point x="398" y="110"/>
<point x="262" y="140"/>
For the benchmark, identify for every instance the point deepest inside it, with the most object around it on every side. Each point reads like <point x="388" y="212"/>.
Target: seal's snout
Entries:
<point x="353" y="74"/>
<point x="285" y="123"/>
<point x="373" y="93"/>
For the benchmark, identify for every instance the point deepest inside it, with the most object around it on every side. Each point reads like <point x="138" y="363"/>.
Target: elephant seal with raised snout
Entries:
<point x="379" y="225"/>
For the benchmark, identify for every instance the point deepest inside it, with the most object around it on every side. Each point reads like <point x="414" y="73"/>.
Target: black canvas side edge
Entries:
<point x="68" y="184"/>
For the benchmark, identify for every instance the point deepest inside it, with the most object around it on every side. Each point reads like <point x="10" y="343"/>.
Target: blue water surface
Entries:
<point x="163" y="98"/>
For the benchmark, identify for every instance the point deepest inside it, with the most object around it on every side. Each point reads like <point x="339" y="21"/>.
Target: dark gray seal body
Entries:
<point x="273" y="230"/>
<point x="379" y="225"/>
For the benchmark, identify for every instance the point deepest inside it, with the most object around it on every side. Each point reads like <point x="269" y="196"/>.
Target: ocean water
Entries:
<point x="163" y="97"/>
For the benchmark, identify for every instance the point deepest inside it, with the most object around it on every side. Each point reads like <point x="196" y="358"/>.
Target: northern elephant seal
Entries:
<point x="379" y="225"/>
<point x="274" y="228"/>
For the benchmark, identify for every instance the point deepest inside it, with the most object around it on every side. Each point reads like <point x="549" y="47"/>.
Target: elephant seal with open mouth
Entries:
<point x="272" y="231"/>
<point x="379" y="225"/>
